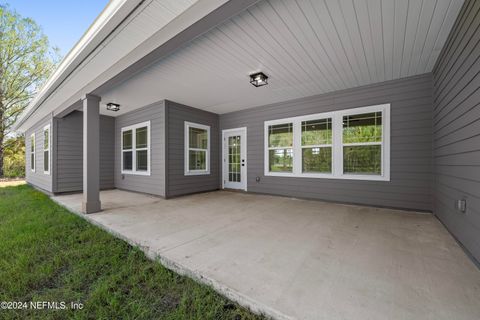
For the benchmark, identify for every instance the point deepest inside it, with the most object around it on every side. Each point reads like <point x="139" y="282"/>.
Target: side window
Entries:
<point x="197" y="149"/>
<point x="46" y="149"/>
<point x="135" y="144"/>
<point x="32" y="152"/>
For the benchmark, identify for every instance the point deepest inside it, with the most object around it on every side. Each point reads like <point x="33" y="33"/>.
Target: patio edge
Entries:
<point x="232" y="294"/>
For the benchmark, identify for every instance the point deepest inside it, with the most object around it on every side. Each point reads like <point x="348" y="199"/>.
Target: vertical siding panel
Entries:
<point x="456" y="127"/>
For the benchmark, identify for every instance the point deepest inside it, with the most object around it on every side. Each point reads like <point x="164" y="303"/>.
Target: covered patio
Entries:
<point x="300" y="259"/>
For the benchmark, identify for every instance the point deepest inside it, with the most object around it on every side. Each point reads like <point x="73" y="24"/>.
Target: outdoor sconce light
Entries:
<point x="113" y="106"/>
<point x="258" y="79"/>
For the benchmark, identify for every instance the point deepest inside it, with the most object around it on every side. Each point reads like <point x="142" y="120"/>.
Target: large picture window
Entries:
<point x="197" y="149"/>
<point x="346" y="144"/>
<point x="135" y="142"/>
<point x="46" y="149"/>
<point x="32" y="152"/>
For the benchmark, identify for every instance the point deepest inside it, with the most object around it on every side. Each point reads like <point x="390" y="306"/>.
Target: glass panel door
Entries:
<point x="234" y="171"/>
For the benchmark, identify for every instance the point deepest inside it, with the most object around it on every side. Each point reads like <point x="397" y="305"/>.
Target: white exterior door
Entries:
<point x="235" y="158"/>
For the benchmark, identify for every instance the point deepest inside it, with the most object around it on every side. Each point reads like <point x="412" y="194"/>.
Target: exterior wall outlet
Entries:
<point x="461" y="205"/>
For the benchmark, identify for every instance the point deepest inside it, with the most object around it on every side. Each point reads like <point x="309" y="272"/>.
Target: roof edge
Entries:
<point x="107" y="21"/>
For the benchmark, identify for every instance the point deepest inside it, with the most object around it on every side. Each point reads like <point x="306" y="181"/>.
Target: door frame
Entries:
<point x="244" y="129"/>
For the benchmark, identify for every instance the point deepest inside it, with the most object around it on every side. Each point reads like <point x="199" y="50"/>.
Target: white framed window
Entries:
<point x="46" y="149"/>
<point x="32" y="152"/>
<point x="346" y="144"/>
<point x="197" y="149"/>
<point x="135" y="149"/>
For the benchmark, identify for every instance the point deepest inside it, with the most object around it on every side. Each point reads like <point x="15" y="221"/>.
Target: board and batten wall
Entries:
<point x="177" y="182"/>
<point x="38" y="178"/>
<point x="155" y="182"/>
<point x="69" y="152"/>
<point x="411" y="145"/>
<point x="456" y="129"/>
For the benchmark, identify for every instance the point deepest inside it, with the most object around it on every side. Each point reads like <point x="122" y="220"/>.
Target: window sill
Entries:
<point x="197" y="173"/>
<point x="136" y="173"/>
<point x="328" y="176"/>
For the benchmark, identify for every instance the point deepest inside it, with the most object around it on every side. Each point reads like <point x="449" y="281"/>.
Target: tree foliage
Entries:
<point x="14" y="157"/>
<point x="26" y="61"/>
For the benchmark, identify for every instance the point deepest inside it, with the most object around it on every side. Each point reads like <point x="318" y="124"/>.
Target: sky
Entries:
<point x="64" y="22"/>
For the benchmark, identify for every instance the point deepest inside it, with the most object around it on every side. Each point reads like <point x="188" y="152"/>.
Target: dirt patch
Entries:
<point x="11" y="183"/>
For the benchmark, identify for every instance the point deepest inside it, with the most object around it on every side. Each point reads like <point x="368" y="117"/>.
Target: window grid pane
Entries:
<point x="197" y="138"/>
<point x="46" y="139"/>
<point x="197" y="160"/>
<point x="359" y="128"/>
<point x="317" y="160"/>
<point x="280" y="135"/>
<point x="46" y="163"/>
<point x="127" y="140"/>
<point x="362" y="159"/>
<point x="281" y="160"/>
<point x="317" y="132"/>
<point x="142" y="160"/>
<point x="141" y="137"/>
<point x="127" y="160"/>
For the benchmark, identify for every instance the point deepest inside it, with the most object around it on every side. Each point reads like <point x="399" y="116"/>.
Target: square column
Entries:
<point x="91" y="154"/>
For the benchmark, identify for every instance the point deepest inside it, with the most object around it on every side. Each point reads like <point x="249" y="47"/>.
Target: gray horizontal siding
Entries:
<point x="411" y="145"/>
<point x="38" y="178"/>
<point x="155" y="183"/>
<point x="177" y="182"/>
<point x="456" y="129"/>
<point x="69" y="150"/>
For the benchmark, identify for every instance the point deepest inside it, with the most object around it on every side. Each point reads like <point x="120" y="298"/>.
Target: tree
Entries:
<point x="26" y="61"/>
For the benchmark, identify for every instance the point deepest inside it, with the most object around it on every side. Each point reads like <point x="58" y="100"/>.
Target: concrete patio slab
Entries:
<point x="300" y="259"/>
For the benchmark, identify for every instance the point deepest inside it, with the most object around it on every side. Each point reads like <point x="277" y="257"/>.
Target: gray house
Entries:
<point x="370" y="102"/>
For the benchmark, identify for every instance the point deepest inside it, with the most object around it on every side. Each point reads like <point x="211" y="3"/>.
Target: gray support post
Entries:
<point x="91" y="154"/>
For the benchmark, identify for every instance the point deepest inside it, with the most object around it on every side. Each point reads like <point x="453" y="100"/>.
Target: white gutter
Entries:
<point x="111" y="16"/>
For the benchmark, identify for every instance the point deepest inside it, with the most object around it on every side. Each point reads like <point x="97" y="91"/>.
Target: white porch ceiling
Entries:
<point x="306" y="47"/>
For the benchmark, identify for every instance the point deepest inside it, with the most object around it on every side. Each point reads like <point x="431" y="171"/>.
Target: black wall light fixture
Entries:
<point x="113" y="106"/>
<point x="258" y="79"/>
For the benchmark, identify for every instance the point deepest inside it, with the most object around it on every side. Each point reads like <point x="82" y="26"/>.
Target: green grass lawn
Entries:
<point x="50" y="254"/>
